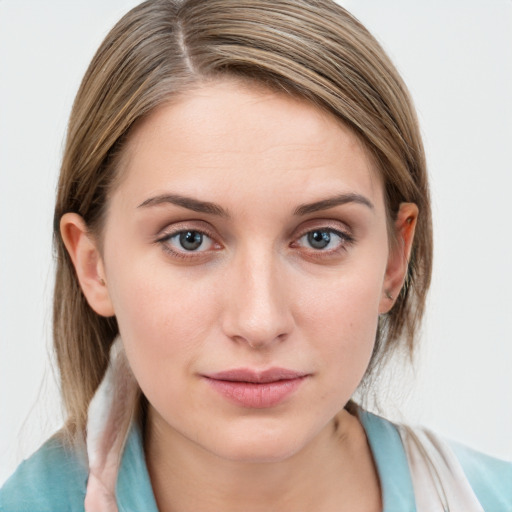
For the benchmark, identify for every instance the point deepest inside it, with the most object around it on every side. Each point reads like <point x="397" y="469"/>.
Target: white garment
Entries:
<point x="438" y="479"/>
<point x="110" y="414"/>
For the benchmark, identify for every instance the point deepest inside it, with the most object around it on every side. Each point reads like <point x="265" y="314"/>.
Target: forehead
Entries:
<point x="242" y="135"/>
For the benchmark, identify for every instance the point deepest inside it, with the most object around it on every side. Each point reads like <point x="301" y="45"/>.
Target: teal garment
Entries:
<point x="54" y="479"/>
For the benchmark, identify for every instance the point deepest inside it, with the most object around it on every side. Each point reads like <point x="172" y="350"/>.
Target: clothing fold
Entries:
<point x="110" y="415"/>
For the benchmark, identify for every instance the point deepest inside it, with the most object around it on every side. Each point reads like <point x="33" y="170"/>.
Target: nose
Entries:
<point x="257" y="309"/>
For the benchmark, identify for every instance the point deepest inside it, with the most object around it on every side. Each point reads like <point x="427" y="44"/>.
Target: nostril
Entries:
<point x="261" y="343"/>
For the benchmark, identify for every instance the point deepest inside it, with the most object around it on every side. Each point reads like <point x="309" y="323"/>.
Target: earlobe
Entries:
<point x="400" y="252"/>
<point x="88" y="263"/>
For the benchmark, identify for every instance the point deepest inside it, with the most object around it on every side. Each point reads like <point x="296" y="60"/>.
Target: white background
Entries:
<point x="456" y="57"/>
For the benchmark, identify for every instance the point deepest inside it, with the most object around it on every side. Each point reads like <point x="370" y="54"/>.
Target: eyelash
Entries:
<point x="346" y="240"/>
<point x="165" y="239"/>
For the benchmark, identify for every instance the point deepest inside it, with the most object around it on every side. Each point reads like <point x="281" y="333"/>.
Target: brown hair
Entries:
<point x="312" y="49"/>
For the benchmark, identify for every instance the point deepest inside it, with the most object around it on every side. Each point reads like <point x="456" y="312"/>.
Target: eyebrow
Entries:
<point x="185" y="202"/>
<point x="213" y="209"/>
<point x="331" y="202"/>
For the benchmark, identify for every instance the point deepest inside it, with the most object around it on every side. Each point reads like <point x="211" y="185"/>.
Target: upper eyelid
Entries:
<point x="178" y="227"/>
<point x="345" y="238"/>
<point x="337" y="232"/>
<point x="335" y="226"/>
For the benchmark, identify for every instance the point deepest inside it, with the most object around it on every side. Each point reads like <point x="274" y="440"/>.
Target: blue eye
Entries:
<point x="319" y="239"/>
<point x="190" y="241"/>
<point x="324" y="239"/>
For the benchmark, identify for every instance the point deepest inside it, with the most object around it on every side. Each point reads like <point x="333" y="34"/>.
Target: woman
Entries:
<point x="243" y="235"/>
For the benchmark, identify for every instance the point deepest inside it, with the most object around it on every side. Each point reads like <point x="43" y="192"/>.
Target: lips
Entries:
<point x="256" y="389"/>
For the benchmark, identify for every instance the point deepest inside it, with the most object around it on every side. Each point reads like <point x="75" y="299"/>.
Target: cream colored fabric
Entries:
<point x="438" y="479"/>
<point x="110" y="414"/>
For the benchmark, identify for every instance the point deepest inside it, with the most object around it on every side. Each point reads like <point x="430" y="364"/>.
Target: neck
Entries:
<point x="334" y="471"/>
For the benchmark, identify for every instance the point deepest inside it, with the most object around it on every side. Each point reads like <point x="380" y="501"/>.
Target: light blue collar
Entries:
<point x="392" y="466"/>
<point x="134" y="492"/>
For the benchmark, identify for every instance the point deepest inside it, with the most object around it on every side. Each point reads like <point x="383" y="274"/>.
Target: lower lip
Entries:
<point x="256" y="395"/>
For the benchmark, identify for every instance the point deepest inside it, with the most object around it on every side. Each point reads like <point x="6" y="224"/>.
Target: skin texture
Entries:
<point x="256" y="294"/>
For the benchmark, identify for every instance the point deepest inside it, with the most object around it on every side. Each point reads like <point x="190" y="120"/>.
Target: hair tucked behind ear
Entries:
<point x="312" y="49"/>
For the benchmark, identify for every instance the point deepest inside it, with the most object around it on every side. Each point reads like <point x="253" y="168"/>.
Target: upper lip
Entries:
<point x="256" y="376"/>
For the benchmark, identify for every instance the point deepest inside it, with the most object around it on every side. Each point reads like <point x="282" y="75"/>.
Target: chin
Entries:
<point x="262" y="442"/>
<point x="258" y="451"/>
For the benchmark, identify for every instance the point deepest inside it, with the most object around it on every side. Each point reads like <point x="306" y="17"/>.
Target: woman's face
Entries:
<point x="246" y="261"/>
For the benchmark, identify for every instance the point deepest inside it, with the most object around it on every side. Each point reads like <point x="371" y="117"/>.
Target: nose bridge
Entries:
<point x="258" y="311"/>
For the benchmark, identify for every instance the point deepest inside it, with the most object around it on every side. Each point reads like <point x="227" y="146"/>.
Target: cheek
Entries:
<point x="163" y="318"/>
<point x="342" y="314"/>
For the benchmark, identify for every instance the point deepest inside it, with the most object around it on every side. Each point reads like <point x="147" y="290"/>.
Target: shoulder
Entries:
<point x="490" y="478"/>
<point x="53" y="479"/>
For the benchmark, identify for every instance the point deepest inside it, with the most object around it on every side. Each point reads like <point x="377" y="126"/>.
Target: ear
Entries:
<point x="86" y="258"/>
<point x="398" y="261"/>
